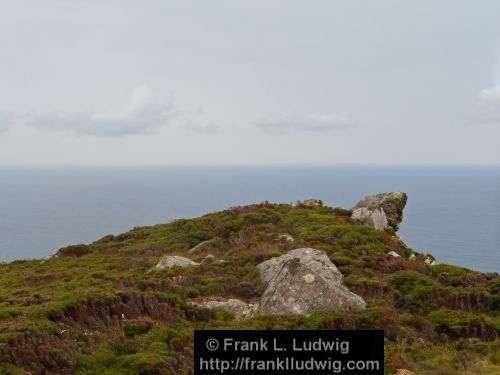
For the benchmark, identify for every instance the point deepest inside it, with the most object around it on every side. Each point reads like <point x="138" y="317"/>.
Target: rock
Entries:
<point x="430" y="260"/>
<point x="381" y="210"/>
<point x="376" y="218"/>
<point x="174" y="260"/>
<point x="208" y="259"/>
<point x="310" y="203"/>
<point x="394" y="254"/>
<point x="240" y="309"/>
<point x="286" y="237"/>
<point x="412" y="257"/>
<point x="201" y="246"/>
<point x="403" y="371"/>
<point x="304" y="281"/>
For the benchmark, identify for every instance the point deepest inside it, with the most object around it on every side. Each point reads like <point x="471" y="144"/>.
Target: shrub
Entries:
<point x="494" y="356"/>
<point x="74" y="251"/>
<point x="456" y="323"/>
<point x="137" y="327"/>
<point x="417" y="292"/>
<point x="368" y="318"/>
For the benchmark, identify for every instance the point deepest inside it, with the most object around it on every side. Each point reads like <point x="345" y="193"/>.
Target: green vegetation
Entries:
<point x="98" y="308"/>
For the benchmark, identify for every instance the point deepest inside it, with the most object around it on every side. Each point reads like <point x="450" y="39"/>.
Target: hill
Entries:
<point x="109" y="307"/>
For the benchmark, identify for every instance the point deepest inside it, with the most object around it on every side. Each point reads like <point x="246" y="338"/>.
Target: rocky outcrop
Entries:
<point x="174" y="260"/>
<point x="304" y="281"/>
<point x="241" y="310"/>
<point x="393" y="254"/>
<point x="381" y="210"/>
<point x="310" y="203"/>
<point x="375" y="218"/>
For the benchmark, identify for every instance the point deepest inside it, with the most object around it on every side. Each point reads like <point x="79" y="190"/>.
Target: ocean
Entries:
<point x="452" y="212"/>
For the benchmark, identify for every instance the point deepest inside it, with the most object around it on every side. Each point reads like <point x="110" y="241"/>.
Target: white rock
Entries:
<point x="208" y="259"/>
<point x="403" y="371"/>
<point x="240" y="309"/>
<point x="286" y="237"/>
<point x="174" y="260"/>
<point x="430" y="260"/>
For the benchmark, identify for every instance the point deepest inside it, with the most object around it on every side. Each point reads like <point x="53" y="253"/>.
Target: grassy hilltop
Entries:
<point x="99" y="309"/>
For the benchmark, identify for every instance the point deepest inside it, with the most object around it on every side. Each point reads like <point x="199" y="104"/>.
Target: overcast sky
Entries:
<point x="169" y="82"/>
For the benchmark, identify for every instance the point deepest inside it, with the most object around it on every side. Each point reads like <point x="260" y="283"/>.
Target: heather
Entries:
<point x="101" y="308"/>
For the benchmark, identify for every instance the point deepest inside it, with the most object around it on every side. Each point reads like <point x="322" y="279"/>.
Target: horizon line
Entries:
<point x="243" y="165"/>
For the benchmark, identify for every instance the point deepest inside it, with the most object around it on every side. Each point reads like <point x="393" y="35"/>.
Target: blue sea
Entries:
<point x="452" y="212"/>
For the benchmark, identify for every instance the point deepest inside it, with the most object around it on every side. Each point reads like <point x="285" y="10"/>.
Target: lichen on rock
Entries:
<point x="304" y="281"/>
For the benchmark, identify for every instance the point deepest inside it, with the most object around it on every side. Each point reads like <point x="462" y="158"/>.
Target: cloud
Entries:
<point x="490" y="94"/>
<point x="487" y="108"/>
<point x="315" y="123"/>
<point x="142" y="113"/>
<point x="196" y="122"/>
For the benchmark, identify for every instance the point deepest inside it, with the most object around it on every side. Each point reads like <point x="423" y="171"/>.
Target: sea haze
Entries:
<point x="452" y="212"/>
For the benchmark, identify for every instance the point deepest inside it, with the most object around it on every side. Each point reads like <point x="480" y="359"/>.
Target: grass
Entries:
<point x="98" y="309"/>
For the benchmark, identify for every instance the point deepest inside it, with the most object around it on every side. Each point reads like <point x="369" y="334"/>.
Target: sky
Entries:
<point x="245" y="82"/>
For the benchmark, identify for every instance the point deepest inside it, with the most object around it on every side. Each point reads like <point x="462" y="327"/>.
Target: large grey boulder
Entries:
<point x="381" y="210"/>
<point x="174" y="260"/>
<point x="373" y="218"/>
<point x="304" y="281"/>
